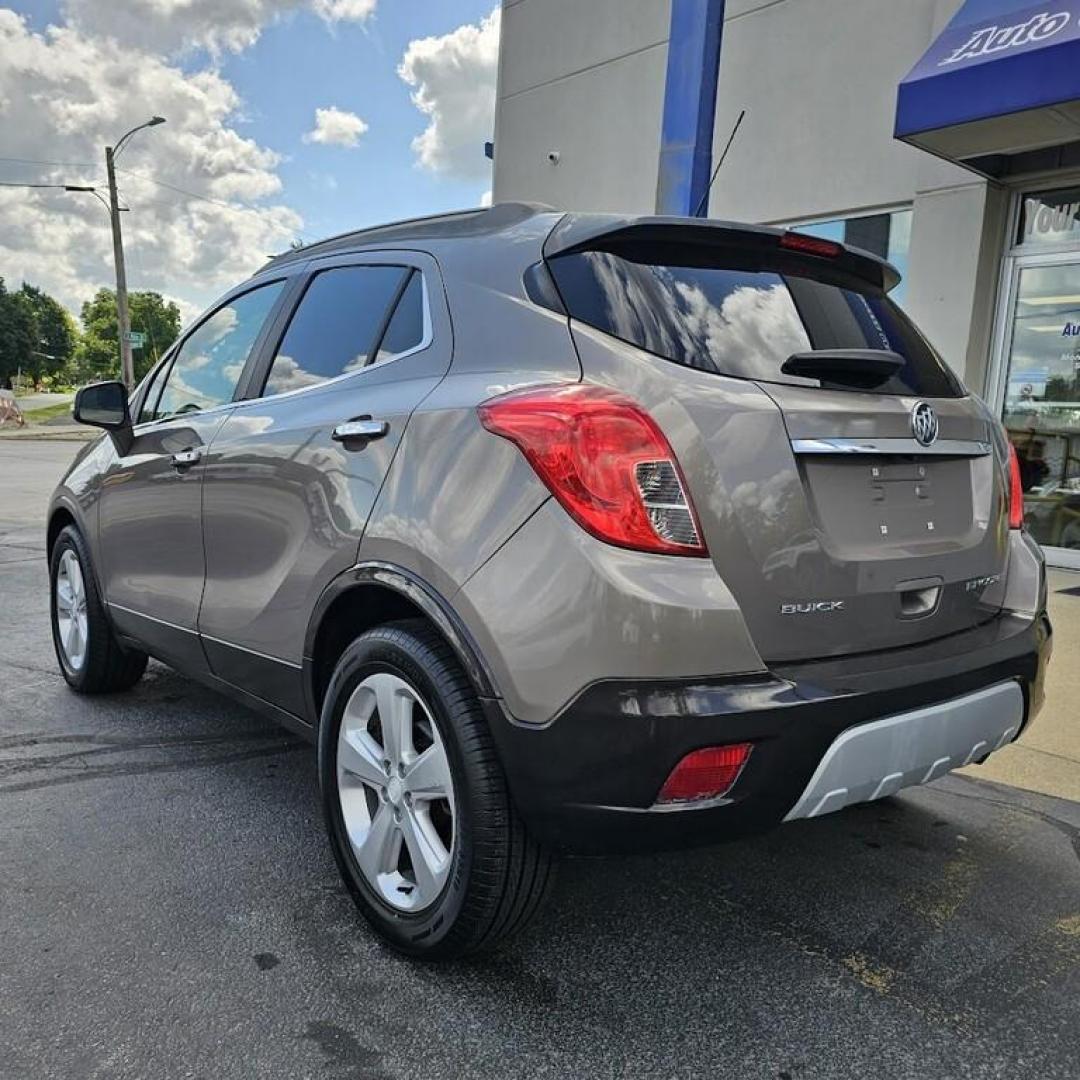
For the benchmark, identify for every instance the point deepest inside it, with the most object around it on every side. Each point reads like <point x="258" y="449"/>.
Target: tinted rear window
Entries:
<point x="743" y="318"/>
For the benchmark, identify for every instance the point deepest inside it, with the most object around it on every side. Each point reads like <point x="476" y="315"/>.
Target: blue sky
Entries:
<point x="235" y="174"/>
<point x="298" y="64"/>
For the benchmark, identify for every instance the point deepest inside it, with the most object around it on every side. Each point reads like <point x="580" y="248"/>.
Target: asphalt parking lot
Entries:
<point x="169" y="908"/>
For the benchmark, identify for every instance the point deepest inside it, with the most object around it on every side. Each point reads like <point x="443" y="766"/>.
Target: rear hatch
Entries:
<point x="850" y="498"/>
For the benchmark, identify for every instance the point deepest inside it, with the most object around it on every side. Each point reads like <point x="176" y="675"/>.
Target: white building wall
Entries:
<point x="818" y="78"/>
<point x="584" y="79"/>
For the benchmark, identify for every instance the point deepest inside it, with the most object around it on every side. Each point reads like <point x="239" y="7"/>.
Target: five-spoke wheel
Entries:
<point x="71" y="620"/>
<point x="93" y="660"/>
<point x="420" y="818"/>
<point x="396" y="791"/>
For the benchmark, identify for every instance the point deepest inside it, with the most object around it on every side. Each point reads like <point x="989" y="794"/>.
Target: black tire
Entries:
<point x="107" y="666"/>
<point x="498" y="875"/>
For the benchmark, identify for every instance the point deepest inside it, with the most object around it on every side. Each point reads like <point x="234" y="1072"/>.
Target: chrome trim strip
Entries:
<point x="251" y="652"/>
<point x="941" y="448"/>
<point x="207" y="637"/>
<point x="150" y="618"/>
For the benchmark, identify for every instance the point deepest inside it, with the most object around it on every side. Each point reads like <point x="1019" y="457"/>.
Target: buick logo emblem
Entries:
<point x="924" y="423"/>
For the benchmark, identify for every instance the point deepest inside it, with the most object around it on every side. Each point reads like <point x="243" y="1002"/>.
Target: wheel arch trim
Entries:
<point x="423" y="596"/>
<point x="64" y="503"/>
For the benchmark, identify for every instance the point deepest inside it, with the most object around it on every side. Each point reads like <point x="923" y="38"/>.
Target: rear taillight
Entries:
<point x="605" y="460"/>
<point x="1016" y="491"/>
<point x="811" y="245"/>
<point x="705" y="774"/>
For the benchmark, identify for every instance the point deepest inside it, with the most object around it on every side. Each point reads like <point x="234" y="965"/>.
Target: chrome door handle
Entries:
<point x="364" y="428"/>
<point x="184" y="459"/>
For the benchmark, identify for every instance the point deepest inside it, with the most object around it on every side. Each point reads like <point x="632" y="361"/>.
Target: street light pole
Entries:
<point x="123" y="317"/>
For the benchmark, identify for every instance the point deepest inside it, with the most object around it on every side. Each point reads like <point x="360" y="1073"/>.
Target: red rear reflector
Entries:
<point x="811" y="245"/>
<point x="1016" y="491"/>
<point x="606" y="461"/>
<point x="705" y="774"/>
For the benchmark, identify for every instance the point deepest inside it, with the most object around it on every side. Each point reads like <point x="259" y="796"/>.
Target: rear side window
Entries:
<point x="405" y="330"/>
<point x="336" y="327"/>
<point x="743" y="319"/>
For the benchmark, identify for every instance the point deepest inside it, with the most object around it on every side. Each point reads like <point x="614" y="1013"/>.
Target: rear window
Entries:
<point x="742" y="317"/>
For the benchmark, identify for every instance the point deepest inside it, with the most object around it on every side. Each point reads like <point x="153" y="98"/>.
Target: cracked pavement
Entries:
<point x="169" y="908"/>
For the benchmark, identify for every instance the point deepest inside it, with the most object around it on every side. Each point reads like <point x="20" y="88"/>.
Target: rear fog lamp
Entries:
<point x="709" y="773"/>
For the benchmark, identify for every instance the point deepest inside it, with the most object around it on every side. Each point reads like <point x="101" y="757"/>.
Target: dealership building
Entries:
<point x="943" y="135"/>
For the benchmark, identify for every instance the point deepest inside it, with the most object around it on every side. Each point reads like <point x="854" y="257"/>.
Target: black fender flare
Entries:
<point x="428" y="599"/>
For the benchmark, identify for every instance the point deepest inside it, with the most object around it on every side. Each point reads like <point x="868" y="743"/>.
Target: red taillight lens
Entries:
<point x="1016" y="491"/>
<point x="705" y="774"/>
<point x="811" y="245"/>
<point x="605" y="460"/>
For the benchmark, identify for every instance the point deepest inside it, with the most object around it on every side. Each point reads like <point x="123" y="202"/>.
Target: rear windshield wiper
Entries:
<point x="853" y="367"/>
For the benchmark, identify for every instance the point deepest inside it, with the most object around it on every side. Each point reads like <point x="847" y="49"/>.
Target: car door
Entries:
<point x="288" y="490"/>
<point x="150" y="506"/>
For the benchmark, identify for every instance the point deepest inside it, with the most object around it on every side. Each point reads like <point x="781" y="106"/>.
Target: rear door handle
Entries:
<point x="363" y="428"/>
<point x="184" y="459"/>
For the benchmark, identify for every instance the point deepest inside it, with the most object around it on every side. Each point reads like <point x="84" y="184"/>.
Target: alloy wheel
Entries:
<point x="396" y="792"/>
<point x="72" y="623"/>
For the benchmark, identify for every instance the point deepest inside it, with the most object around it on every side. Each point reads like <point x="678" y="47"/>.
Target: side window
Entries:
<point x="153" y="389"/>
<point x="209" y="364"/>
<point x="336" y="326"/>
<point x="406" y="328"/>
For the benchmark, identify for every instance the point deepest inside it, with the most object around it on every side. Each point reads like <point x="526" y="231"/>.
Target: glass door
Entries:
<point x="1041" y="396"/>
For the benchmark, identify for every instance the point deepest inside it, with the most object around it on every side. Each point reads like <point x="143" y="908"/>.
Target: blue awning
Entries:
<point x="1002" y="78"/>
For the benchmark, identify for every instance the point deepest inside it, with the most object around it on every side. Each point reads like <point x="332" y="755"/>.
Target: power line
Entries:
<point x="128" y="172"/>
<point x="62" y="164"/>
<point x="194" y="194"/>
<point x="12" y="183"/>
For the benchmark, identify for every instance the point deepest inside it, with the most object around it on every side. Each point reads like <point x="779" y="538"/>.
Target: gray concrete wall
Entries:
<point x="818" y="79"/>
<point x="586" y="80"/>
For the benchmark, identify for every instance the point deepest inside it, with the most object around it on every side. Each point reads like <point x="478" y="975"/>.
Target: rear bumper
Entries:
<point x="587" y="781"/>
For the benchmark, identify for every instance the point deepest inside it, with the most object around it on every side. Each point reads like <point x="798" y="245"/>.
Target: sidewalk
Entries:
<point x="52" y="432"/>
<point x="1046" y="758"/>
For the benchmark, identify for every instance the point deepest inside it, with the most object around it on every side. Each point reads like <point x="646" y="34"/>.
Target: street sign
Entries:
<point x="136" y="339"/>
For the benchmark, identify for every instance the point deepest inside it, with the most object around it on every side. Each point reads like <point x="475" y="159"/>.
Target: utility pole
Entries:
<point x="123" y="317"/>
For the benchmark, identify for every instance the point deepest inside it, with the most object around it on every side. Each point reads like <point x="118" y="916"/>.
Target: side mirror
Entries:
<point x="105" y="405"/>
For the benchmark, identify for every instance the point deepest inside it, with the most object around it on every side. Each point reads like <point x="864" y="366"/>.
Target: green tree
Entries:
<point x="98" y="355"/>
<point x="18" y="335"/>
<point x="1061" y="389"/>
<point x="55" y="331"/>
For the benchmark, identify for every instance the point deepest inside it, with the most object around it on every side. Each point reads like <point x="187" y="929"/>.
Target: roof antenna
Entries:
<point x="731" y="138"/>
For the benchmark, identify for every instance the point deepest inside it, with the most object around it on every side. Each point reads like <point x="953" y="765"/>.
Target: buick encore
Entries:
<point x="560" y="533"/>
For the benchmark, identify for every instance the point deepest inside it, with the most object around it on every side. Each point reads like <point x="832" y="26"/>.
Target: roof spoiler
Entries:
<point x="589" y="232"/>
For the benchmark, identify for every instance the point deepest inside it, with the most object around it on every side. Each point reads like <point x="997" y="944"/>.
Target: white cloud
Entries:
<point x="336" y="127"/>
<point x="63" y="96"/>
<point x="453" y="81"/>
<point x="344" y="10"/>
<point x="220" y="25"/>
<point x="485" y="199"/>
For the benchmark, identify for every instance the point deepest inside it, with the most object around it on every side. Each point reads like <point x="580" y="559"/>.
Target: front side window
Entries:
<point x="153" y="389"/>
<point x="208" y="365"/>
<point x="336" y="327"/>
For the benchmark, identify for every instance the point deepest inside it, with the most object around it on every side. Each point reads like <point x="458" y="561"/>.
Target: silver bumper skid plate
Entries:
<point x="877" y="759"/>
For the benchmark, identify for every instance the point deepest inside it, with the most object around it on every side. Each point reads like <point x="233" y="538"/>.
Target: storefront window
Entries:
<point x="885" y="235"/>
<point x="1050" y="217"/>
<point x="1042" y="398"/>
